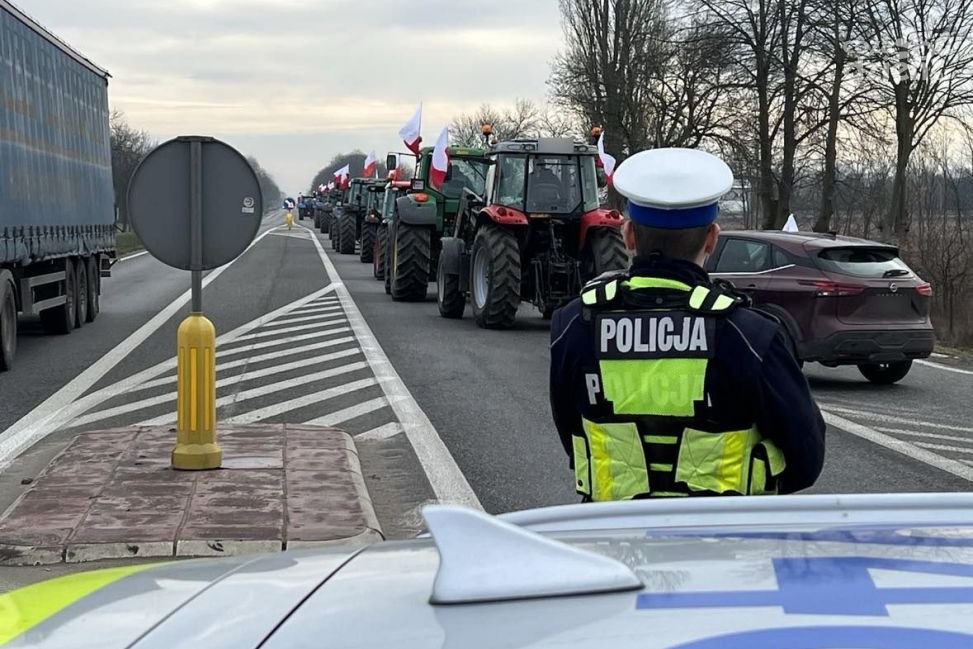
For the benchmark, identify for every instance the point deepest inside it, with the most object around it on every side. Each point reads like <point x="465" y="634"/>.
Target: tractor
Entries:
<point x="424" y="214"/>
<point x="393" y="190"/>
<point x="323" y="209"/>
<point x="359" y="201"/>
<point x="536" y="233"/>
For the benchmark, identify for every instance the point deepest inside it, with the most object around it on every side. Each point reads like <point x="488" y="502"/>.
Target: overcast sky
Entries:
<point x="294" y="82"/>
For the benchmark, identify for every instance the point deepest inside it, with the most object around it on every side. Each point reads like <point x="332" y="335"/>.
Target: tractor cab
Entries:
<point x="546" y="177"/>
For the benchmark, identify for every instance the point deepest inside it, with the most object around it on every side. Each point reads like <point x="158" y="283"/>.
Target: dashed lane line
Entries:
<point x="55" y="411"/>
<point x="300" y="402"/>
<point x="911" y="451"/>
<point x="444" y="475"/>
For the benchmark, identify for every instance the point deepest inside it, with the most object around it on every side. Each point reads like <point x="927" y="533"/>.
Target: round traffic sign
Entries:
<point x="160" y="203"/>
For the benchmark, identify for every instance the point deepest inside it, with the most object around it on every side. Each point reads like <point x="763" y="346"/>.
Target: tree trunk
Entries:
<point x="829" y="180"/>
<point x="768" y="206"/>
<point x="897" y="220"/>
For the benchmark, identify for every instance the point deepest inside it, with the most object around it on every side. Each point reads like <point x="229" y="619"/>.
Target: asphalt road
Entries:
<point x="440" y="408"/>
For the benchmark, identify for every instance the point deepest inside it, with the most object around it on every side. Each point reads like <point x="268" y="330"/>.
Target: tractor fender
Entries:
<point x="415" y="213"/>
<point x="501" y="215"/>
<point x="598" y="219"/>
<point x="452" y="255"/>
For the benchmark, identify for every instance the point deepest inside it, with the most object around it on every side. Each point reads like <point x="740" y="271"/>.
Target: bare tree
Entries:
<point x="128" y="146"/>
<point x="523" y="119"/>
<point x="920" y="54"/>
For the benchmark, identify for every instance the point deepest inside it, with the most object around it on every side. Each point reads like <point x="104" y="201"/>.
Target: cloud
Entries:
<point x="335" y="74"/>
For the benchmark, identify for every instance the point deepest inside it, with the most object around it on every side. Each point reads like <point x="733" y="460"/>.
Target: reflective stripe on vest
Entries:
<point x="660" y="386"/>
<point x="611" y="463"/>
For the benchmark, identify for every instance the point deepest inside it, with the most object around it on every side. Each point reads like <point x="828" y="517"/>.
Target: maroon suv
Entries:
<point x="844" y="301"/>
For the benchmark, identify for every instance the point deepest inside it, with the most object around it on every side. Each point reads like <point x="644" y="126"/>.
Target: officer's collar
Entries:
<point x="658" y="265"/>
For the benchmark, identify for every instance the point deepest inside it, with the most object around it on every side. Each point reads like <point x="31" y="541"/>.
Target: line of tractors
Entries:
<point x="517" y="221"/>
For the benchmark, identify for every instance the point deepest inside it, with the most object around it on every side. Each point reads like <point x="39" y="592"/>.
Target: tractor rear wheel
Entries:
<point x="452" y="301"/>
<point x="605" y="251"/>
<point x="495" y="277"/>
<point x="346" y="234"/>
<point x="333" y="233"/>
<point x="378" y="254"/>
<point x="367" y="243"/>
<point x="411" y="254"/>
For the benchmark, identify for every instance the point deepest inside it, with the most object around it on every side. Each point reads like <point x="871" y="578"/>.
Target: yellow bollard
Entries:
<point x="196" y="446"/>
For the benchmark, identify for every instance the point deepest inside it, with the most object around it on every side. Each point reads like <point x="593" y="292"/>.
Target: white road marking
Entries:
<point x="945" y="368"/>
<point x="266" y="333"/>
<point x="252" y="360"/>
<point x="382" y="432"/>
<point x="132" y="256"/>
<point x="899" y="446"/>
<point x="343" y="415"/>
<point x="447" y="480"/>
<point x="317" y="307"/>
<point x="311" y="318"/>
<point x="52" y="413"/>
<point x="944" y="447"/>
<point x="169" y="397"/>
<point x="233" y="351"/>
<point x="300" y="402"/>
<point x="264" y="390"/>
<point x="916" y="433"/>
<point x="875" y="416"/>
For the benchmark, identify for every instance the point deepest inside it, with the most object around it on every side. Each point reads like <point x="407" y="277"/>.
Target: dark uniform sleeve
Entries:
<point x="567" y="418"/>
<point x="788" y="415"/>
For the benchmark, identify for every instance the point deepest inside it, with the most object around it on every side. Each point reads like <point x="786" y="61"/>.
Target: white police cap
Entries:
<point x="673" y="188"/>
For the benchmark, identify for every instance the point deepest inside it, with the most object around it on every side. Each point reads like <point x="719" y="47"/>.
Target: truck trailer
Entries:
<point x="57" y="206"/>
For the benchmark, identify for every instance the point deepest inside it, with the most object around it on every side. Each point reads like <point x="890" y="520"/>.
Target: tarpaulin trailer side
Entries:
<point x="57" y="214"/>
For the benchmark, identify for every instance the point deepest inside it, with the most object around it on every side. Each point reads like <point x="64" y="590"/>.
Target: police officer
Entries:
<point x="663" y="384"/>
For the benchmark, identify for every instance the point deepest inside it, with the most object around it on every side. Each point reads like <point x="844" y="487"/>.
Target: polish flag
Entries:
<point x="321" y="188"/>
<point x="410" y="132"/>
<point x="369" y="168"/>
<point x="607" y="161"/>
<point x="440" y="160"/>
<point x="344" y="176"/>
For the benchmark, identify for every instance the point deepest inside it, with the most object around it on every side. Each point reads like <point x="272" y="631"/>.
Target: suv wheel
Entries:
<point x="885" y="373"/>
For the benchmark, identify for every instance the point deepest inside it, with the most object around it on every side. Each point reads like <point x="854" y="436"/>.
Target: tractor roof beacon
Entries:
<point x="537" y="233"/>
<point x="424" y="214"/>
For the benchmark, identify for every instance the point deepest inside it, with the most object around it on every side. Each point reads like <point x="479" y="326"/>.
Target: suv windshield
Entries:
<point x="864" y="262"/>
<point x="467" y="173"/>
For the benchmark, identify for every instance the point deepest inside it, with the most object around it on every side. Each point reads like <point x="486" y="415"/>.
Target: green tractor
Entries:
<point x="535" y="233"/>
<point x="323" y="209"/>
<point x="362" y="199"/>
<point x="394" y="190"/>
<point x="422" y="216"/>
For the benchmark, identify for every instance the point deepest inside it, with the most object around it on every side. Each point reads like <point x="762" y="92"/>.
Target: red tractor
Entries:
<point x="537" y="234"/>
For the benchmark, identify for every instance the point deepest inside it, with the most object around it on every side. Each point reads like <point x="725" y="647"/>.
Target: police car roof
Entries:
<point x="721" y="572"/>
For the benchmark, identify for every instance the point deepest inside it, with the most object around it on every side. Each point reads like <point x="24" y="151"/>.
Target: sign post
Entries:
<point x="195" y="203"/>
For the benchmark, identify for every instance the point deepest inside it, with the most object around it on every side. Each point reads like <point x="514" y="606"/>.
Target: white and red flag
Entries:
<point x="410" y="131"/>
<point x="607" y="160"/>
<point x="344" y="176"/>
<point x="440" y="160"/>
<point x="369" y="168"/>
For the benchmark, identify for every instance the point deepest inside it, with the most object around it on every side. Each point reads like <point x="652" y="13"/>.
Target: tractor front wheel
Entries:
<point x="411" y="248"/>
<point x="346" y="234"/>
<point x="378" y="254"/>
<point x="452" y="301"/>
<point x="495" y="277"/>
<point x="367" y="242"/>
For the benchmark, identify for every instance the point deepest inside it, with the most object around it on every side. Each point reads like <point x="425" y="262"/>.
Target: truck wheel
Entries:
<point x="411" y="256"/>
<point x="367" y="243"/>
<point x="604" y="251"/>
<point x="94" y="288"/>
<point x="885" y="373"/>
<point x="81" y="283"/>
<point x="346" y="234"/>
<point x="8" y="321"/>
<point x="452" y="302"/>
<point x="378" y="254"/>
<point x="495" y="277"/>
<point x="60" y="319"/>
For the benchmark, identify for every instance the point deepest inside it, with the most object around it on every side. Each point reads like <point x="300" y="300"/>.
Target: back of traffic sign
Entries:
<point x="228" y="203"/>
